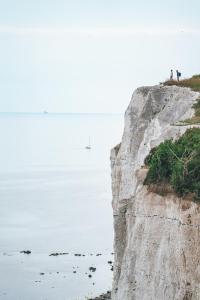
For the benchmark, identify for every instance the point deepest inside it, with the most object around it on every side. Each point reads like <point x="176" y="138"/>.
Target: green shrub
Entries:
<point x="177" y="163"/>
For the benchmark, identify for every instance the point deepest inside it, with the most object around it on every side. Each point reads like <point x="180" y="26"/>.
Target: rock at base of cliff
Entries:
<point x="106" y="296"/>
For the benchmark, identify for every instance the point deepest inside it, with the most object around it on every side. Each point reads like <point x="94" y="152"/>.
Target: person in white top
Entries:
<point x="171" y="75"/>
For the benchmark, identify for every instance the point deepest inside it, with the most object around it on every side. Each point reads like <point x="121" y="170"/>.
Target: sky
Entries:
<point x="88" y="56"/>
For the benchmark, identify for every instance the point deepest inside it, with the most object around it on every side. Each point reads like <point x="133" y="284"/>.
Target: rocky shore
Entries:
<point x="106" y="296"/>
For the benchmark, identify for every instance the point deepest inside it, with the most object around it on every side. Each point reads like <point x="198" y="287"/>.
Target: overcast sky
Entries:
<point x="89" y="55"/>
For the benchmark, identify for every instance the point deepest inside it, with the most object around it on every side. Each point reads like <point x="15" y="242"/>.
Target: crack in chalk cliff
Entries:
<point x="166" y="218"/>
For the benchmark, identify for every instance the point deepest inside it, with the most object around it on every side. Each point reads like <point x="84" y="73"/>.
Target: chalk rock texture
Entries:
<point x="157" y="238"/>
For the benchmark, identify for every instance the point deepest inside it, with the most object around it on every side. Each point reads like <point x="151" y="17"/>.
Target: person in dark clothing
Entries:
<point x="178" y="75"/>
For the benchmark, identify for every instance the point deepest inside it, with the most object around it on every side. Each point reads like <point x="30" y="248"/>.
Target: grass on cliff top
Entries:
<point x="193" y="83"/>
<point x="177" y="163"/>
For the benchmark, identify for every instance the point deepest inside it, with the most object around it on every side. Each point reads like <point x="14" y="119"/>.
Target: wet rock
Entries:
<point x="106" y="296"/>
<point x="26" y="251"/>
<point x="92" y="269"/>
<point x="57" y="253"/>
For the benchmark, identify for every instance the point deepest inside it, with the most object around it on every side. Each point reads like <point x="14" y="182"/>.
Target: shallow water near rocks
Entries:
<point x="55" y="196"/>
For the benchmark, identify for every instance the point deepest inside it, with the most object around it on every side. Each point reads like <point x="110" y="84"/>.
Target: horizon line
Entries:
<point x="97" y="31"/>
<point x="60" y="113"/>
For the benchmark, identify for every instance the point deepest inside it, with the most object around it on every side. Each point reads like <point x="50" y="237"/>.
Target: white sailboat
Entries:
<point x="88" y="147"/>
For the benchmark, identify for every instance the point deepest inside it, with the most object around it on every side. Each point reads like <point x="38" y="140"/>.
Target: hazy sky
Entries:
<point x="89" y="55"/>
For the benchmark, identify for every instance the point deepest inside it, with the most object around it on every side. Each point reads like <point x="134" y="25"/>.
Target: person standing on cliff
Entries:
<point x="171" y="75"/>
<point x="178" y="75"/>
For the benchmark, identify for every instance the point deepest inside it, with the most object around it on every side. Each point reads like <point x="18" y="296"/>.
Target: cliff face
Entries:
<point x="157" y="239"/>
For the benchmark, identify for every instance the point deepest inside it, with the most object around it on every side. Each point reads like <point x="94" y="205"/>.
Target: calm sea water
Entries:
<point x="55" y="196"/>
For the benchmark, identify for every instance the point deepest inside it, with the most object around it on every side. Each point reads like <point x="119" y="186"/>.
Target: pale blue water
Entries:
<point x="55" y="196"/>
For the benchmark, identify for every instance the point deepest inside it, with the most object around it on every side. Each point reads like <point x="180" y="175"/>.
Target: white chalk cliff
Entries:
<point x="157" y="238"/>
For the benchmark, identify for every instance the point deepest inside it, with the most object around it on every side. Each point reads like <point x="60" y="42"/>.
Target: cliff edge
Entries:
<point x="157" y="240"/>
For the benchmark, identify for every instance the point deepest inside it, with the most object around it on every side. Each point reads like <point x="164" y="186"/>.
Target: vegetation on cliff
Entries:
<point x="177" y="163"/>
<point x="193" y="83"/>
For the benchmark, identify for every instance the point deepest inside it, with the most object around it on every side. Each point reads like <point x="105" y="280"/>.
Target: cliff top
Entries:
<point x="193" y="83"/>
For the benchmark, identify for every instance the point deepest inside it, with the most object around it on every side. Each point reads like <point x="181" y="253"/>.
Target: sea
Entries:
<point x="55" y="201"/>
